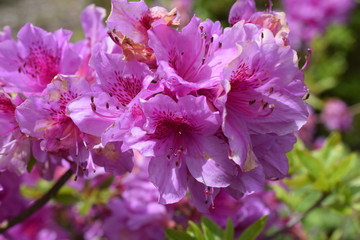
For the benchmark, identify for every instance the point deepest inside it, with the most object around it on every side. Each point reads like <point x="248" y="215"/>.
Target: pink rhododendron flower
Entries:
<point x="262" y="95"/>
<point x="31" y="63"/>
<point x="5" y="34"/>
<point x="185" y="8"/>
<point x="95" y="34"/>
<point x="269" y="19"/>
<point x="141" y="216"/>
<point x="241" y="10"/>
<point x="192" y="59"/>
<point x="119" y="83"/>
<point x="336" y="115"/>
<point x="57" y="131"/>
<point x="309" y="18"/>
<point x="129" y="23"/>
<point x="41" y="225"/>
<point x="213" y="110"/>
<point x="14" y="146"/>
<point x="180" y="138"/>
<point x="242" y="212"/>
<point x="11" y="201"/>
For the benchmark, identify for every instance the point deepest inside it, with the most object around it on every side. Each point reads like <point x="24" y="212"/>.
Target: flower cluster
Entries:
<point x="212" y="109"/>
<point x="308" y="18"/>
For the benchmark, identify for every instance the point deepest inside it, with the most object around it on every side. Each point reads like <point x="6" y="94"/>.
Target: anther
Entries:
<point x="271" y="90"/>
<point x="92" y="99"/>
<point x="203" y="60"/>
<point x="251" y="102"/>
<point x="306" y="96"/>
<point x="168" y="156"/>
<point x="265" y="105"/>
<point x="180" y="133"/>
<point x="220" y="44"/>
<point x="182" y="53"/>
<point x="177" y="163"/>
<point x="93" y="107"/>
<point x="107" y="105"/>
<point x="212" y="39"/>
<point x="110" y="94"/>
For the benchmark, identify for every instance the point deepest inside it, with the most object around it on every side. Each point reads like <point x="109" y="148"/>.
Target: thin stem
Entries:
<point x="298" y="218"/>
<point x="38" y="204"/>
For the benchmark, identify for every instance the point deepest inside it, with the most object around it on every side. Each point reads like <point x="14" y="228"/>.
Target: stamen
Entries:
<point x="9" y="144"/>
<point x="93" y="108"/>
<point x="306" y="96"/>
<point x="7" y="132"/>
<point x="270" y="5"/>
<point x="65" y="137"/>
<point x="85" y="145"/>
<point x="307" y="59"/>
<point x="76" y="146"/>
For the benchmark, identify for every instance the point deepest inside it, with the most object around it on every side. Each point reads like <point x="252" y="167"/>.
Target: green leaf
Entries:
<point x="84" y="207"/>
<point x="66" y="198"/>
<point x="177" y="235"/>
<point x="254" y="230"/>
<point x="193" y="228"/>
<point x="67" y="195"/>
<point x="229" y="230"/>
<point x="312" y="164"/>
<point x="342" y="168"/>
<point x="107" y="183"/>
<point x="216" y="230"/>
<point x="31" y="164"/>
